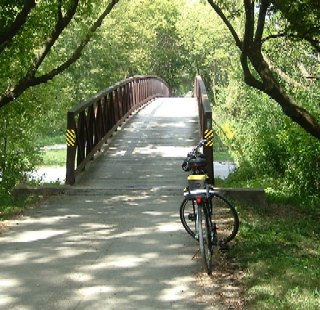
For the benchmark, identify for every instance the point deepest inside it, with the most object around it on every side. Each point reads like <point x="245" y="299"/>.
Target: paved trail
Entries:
<point x="115" y="240"/>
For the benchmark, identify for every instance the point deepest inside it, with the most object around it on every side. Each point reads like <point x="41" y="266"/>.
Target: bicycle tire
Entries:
<point x="204" y="229"/>
<point x="225" y="218"/>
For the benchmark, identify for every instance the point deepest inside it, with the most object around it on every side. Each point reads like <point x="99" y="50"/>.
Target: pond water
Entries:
<point x="58" y="174"/>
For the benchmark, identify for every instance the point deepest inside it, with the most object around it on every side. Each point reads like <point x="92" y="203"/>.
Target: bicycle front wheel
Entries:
<point x="204" y="230"/>
<point x="188" y="213"/>
<point x="225" y="218"/>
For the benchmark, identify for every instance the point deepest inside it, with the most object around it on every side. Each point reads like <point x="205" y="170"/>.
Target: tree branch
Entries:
<point x="8" y="33"/>
<point x="77" y="53"/>
<point x="227" y="23"/>
<point x="62" y="23"/>
<point x="249" y="26"/>
<point x="261" y="21"/>
<point x="248" y="45"/>
<point x="273" y="36"/>
<point x="248" y="77"/>
<point x="60" y="10"/>
<point x="32" y="80"/>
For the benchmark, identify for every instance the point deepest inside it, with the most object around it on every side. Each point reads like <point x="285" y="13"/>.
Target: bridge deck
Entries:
<point x="118" y="242"/>
<point x="147" y="152"/>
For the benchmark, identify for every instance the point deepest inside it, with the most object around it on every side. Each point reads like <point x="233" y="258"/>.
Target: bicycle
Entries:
<point x="207" y="216"/>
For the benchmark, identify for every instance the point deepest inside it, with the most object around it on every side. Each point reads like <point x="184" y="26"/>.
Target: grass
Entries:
<point x="54" y="138"/>
<point x="54" y="158"/>
<point x="278" y="249"/>
<point x="222" y="156"/>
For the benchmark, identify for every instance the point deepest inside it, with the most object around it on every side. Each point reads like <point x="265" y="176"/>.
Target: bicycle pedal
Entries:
<point x="191" y="217"/>
<point x="224" y="246"/>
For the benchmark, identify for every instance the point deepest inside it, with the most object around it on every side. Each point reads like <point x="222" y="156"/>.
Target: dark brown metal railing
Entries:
<point x="91" y="123"/>
<point x="205" y="119"/>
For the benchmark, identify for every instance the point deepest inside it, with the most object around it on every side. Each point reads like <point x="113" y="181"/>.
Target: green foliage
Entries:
<point x="278" y="249"/>
<point x="302" y="19"/>
<point x="302" y="163"/>
<point x="18" y="154"/>
<point x="204" y="40"/>
<point x="51" y="138"/>
<point x="8" y="206"/>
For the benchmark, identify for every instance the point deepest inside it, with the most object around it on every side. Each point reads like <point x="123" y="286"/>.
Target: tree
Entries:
<point x="257" y="72"/>
<point x="204" y="48"/>
<point x="32" y="34"/>
<point x="302" y="20"/>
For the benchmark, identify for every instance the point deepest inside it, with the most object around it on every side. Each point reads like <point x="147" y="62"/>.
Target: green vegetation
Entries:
<point x="278" y="250"/>
<point x="54" y="158"/>
<point x="10" y="206"/>
<point x="222" y="156"/>
<point x="278" y="247"/>
<point x="269" y="148"/>
<point x="260" y="22"/>
<point x="51" y="138"/>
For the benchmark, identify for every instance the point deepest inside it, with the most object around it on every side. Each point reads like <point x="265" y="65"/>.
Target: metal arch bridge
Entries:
<point x="92" y="124"/>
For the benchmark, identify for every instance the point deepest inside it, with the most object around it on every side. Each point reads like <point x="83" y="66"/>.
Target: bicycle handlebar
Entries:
<point x="201" y="143"/>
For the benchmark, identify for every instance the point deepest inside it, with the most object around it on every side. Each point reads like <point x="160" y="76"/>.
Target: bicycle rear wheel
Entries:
<point x="225" y="218"/>
<point x="204" y="229"/>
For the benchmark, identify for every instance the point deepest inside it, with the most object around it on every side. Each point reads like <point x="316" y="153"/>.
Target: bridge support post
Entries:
<point x="71" y="141"/>
<point x="205" y="118"/>
<point x="208" y="148"/>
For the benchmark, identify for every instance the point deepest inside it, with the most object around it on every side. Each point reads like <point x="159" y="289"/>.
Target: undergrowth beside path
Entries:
<point x="278" y="251"/>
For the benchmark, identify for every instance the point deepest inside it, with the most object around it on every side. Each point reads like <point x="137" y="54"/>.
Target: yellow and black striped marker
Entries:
<point x="208" y="134"/>
<point x="70" y="137"/>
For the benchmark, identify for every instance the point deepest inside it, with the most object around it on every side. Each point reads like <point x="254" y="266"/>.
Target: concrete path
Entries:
<point x="115" y="240"/>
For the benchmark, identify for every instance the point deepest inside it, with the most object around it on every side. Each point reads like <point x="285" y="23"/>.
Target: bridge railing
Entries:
<point x="205" y="120"/>
<point x="91" y="123"/>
